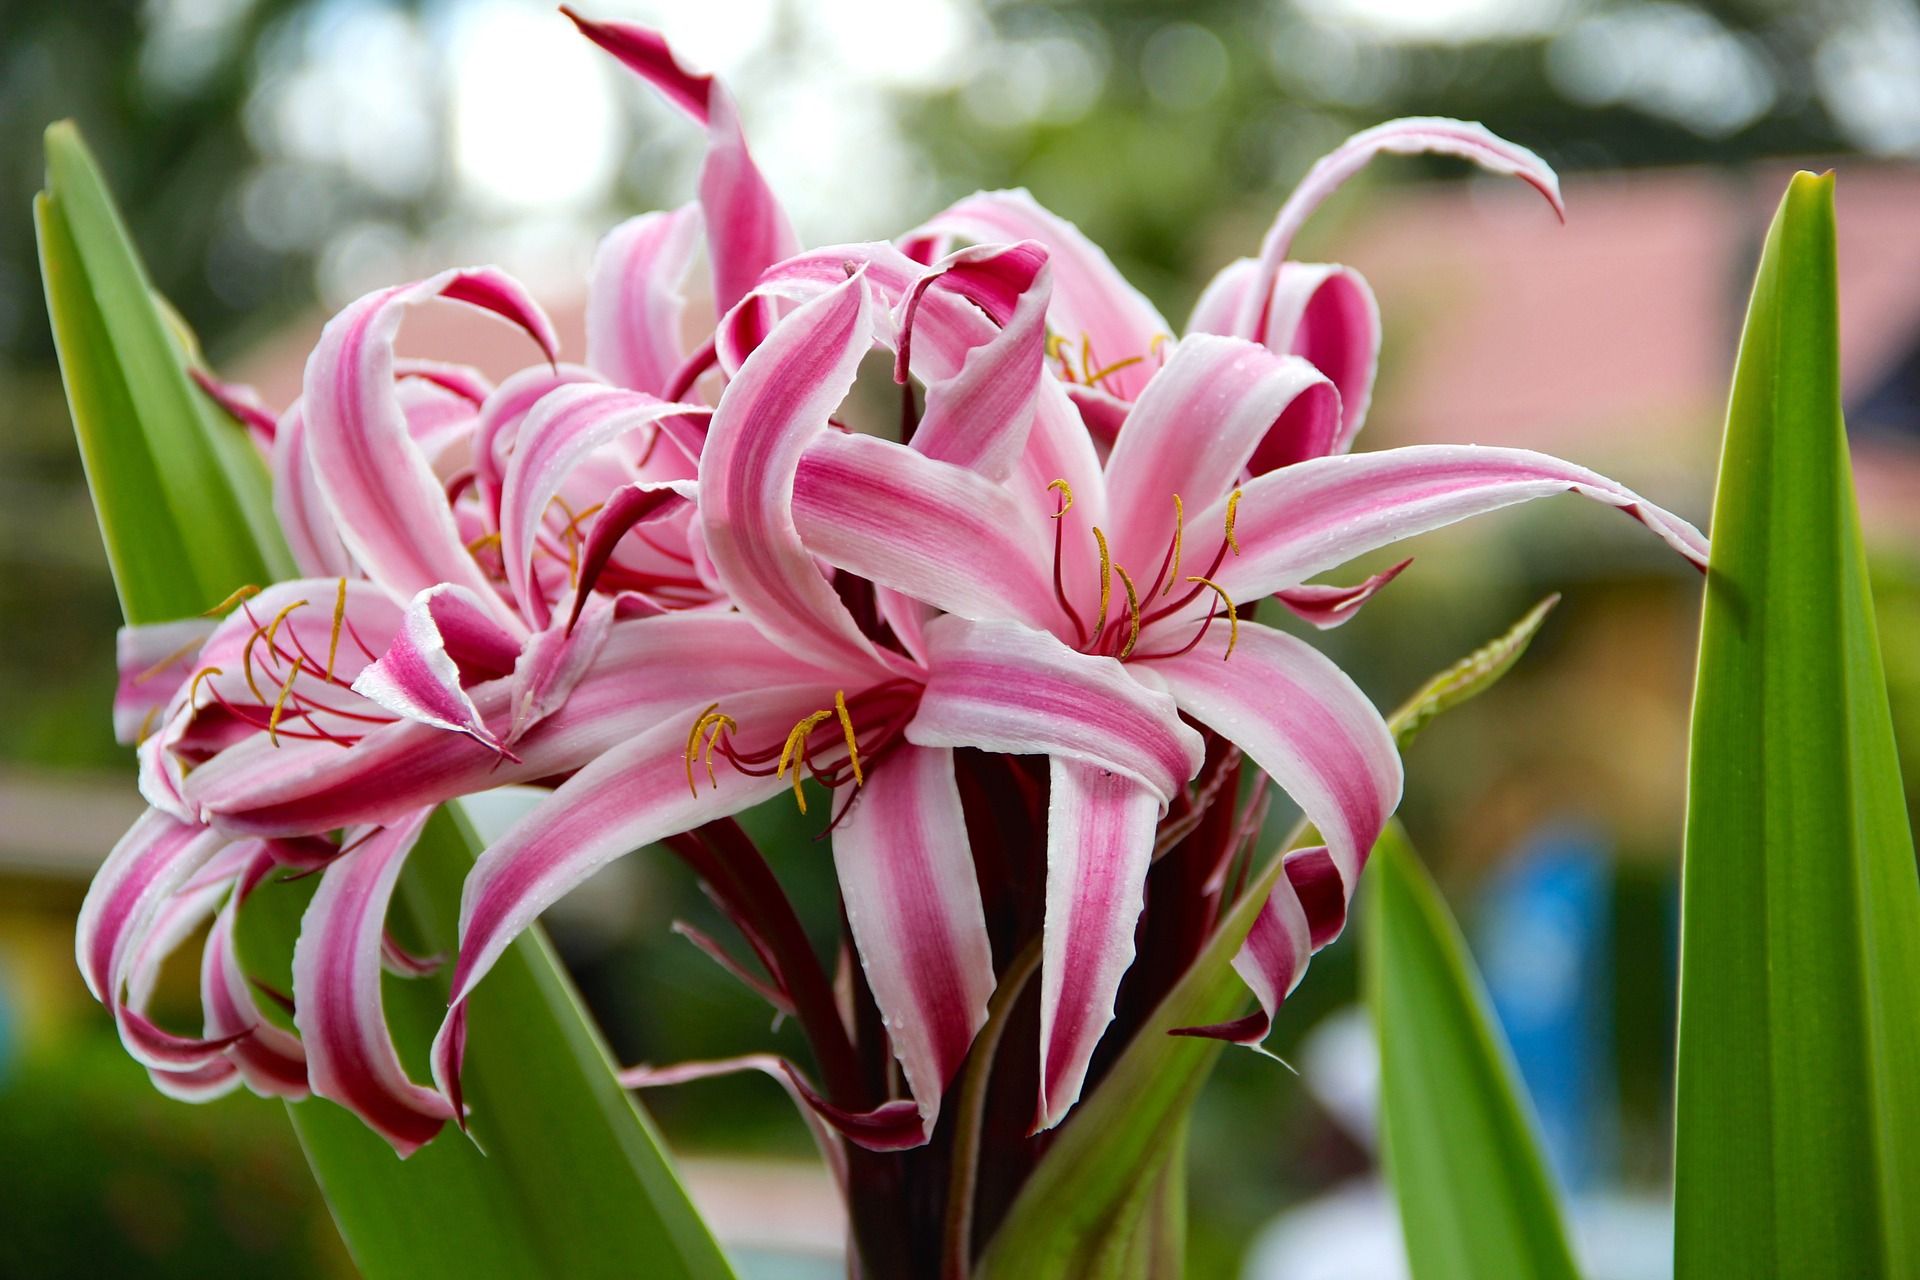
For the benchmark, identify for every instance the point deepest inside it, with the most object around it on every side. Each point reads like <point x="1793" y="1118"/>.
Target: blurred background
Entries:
<point x="278" y="157"/>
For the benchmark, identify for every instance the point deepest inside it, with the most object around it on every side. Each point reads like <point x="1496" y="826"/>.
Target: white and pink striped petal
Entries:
<point x="641" y="791"/>
<point x="747" y="231"/>
<point x="775" y="407"/>
<point x="935" y="531"/>
<point x="1100" y="827"/>
<point x="1093" y="309"/>
<point x="389" y="506"/>
<point x="1001" y="686"/>
<point x="1302" y="520"/>
<point x="1414" y="135"/>
<point x="635" y="300"/>
<point x="913" y="905"/>
<point x="1219" y="406"/>
<point x="351" y="1058"/>
<point x="446" y="640"/>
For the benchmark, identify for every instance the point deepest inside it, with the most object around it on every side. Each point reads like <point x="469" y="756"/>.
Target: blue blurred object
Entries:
<point x="1543" y="935"/>
<point x="7" y="1020"/>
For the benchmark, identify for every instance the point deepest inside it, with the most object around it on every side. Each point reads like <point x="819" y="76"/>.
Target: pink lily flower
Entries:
<point x="1030" y="611"/>
<point x="478" y="547"/>
<point x="1002" y="655"/>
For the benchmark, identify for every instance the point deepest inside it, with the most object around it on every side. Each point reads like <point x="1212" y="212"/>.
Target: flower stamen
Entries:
<point x="693" y="744"/>
<point x="1095" y="379"/>
<point x="183" y="651"/>
<point x="194" y="687"/>
<point x="846" y="727"/>
<point x="795" y="751"/>
<point x="1065" y="491"/>
<point x="1133" y="613"/>
<point x="720" y="721"/>
<point x="339" y="616"/>
<point x="280" y="703"/>
<point x="1170" y="568"/>
<point x="1233" y="614"/>
<point x="1233" y="504"/>
<point x="240" y="593"/>
<point x="273" y="628"/>
<point x="1106" y="583"/>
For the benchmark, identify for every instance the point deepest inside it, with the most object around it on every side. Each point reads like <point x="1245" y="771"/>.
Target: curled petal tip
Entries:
<point x="493" y="290"/>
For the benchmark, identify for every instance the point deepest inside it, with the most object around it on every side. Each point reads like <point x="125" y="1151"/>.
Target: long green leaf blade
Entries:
<point x="575" y="1181"/>
<point x="1475" y="1199"/>
<point x="155" y="449"/>
<point x="1797" y="1147"/>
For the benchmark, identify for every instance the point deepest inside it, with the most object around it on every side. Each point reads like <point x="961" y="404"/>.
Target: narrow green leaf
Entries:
<point x="1475" y="1198"/>
<point x="1118" y="1137"/>
<point x="157" y="452"/>
<point x="574" y="1181"/>
<point x="1471" y="676"/>
<point x="1797" y="1145"/>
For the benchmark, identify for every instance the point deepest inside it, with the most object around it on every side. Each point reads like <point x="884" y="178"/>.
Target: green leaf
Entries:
<point x="159" y="457"/>
<point x="1470" y="677"/>
<point x="1797" y="1145"/>
<point x="1120" y="1135"/>
<point x="1475" y="1198"/>
<point x="575" y="1181"/>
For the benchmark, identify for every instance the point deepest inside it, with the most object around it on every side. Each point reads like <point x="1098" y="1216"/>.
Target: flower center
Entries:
<point x="870" y="725"/>
<point x="287" y="683"/>
<point x="1118" y="634"/>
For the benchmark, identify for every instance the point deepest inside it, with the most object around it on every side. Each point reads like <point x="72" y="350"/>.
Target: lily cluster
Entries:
<point x="1010" y="638"/>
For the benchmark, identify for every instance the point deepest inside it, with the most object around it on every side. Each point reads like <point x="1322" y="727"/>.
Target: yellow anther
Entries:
<point x="146" y="725"/>
<point x="194" y="687"/>
<point x="246" y="665"/>
<point x="484" y="542"/>
<point x="1160" y="340"/>
<point x="1059" y="351"/>
<point x="1233" y="615"/>
<point x="795" y="751"/>
<point x="243" y="593"/>
<point x="1106" y="582"/>
<point x="572" y="537"/>
<point x="846" y="726"/>
<point x="280" y="703"/>
<point x="246" y="655"/>
<point x="586" y="513"/>
<point x="1133" y="613"/>
<point x="1065" y="491"/>
<point x="273" y="628"/>
<point x="1233" y="504"/>
<point x="168" y="661"/>
<point x="339" y="616"/>
<point x="693" y="744"/>
<point x="1086" y="354"/>
<point x="1179" y="525"/>
<point x="719" y="722"/>
<point x="1095" y="379"/>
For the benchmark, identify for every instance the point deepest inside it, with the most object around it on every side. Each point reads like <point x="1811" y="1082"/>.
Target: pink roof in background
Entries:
<point x="1609" y="339"/>
<point x="1524" y="331"/>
